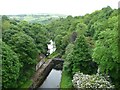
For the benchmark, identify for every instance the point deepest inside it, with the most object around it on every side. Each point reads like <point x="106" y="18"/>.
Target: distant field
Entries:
<point x="41" y="18"/>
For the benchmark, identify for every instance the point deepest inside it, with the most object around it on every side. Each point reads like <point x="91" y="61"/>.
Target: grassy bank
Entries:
<point x="27" y="84"/>
<point x="66" y="80"/>
<point x="53" y="55"/>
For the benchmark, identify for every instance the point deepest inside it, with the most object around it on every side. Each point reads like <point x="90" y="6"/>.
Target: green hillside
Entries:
<point x="37" y="18"/>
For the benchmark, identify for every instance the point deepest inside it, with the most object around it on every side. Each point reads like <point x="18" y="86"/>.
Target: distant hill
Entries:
<point x="39" y="18"/>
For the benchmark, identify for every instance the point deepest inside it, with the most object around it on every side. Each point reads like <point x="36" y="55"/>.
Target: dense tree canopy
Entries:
<point x="25" y="47"/>
<point x="86" y="43"/>
<point x="100" y="44"/>
<point x="27" y="41"/>
<point x="106" y="52"/>
<point x="11" y="67"/>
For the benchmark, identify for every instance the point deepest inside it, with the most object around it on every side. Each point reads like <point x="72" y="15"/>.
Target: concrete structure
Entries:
<point x="42" y="72"/>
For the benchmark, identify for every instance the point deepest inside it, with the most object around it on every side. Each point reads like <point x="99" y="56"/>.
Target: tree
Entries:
<point x="67" y="58"/>
<point x="81" y="28"/>
<point x="7" y="36"/>
<point x="106" y="52"/>
<point x="25" y="47"/>
<point x="82" y="59"/>
<point x="58" y="42"/>
<point x="27" y="52"/>
<point x="40" y="36"/>
<point x="10" y="67"/>
<point x="5" y="23"/>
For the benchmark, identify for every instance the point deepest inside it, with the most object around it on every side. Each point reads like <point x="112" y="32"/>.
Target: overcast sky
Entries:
<point x="67" y="7"/>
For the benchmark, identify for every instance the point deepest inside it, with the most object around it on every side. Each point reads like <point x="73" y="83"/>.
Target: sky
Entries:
<point x="66" y="7"/>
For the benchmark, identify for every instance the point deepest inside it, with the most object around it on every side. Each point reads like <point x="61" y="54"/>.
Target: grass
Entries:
<point x="66" y="80"/>
<point x="27" y="84"/>
<point x="53" y="55"/>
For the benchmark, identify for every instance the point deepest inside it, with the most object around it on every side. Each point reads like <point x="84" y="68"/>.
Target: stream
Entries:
<point x="54" y="77"/>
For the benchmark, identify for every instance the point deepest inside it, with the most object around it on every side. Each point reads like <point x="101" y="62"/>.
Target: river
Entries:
<point x="54" y="77"/>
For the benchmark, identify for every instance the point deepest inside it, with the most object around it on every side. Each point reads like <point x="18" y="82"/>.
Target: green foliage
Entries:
<point x="68" y="55"/>
<point x="27" y="41"/>
<point x="11" y="67"/>
<point x="100" y="27"/>
<point x="68" y="50"/>
<point x="78" y="58"/>
<point x="81" y="28"/>
<point x="58" y="42"/>
<point x="37" y="18"/>
<point x="40" y="36"/>
<point x="61" y="43"/>
<point x="97" y="21"/>
<point x="106" y="51"/>
<point x="64" y="43"/>
<point x="76" y="38"/>
<point x="22" y="44"/>
<point x="27" y="84"/>
<point x="82" y="58"/>
<point x="7" y="36"/>
<point x="66" y="80"/>
<point x="53" y="55"/>
<point x="61" y="31"/>
<point x="25" y="47"/>
<point x="5" y="22"/>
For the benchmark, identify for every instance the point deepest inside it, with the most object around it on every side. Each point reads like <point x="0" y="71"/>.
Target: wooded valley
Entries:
<point x="89" y="46"/>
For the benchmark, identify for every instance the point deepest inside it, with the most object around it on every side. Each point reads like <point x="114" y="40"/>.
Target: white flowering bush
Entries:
<point x="81" y="80"/>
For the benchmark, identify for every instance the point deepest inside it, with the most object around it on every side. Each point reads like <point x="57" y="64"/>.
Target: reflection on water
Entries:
<point x="53" y="79"/>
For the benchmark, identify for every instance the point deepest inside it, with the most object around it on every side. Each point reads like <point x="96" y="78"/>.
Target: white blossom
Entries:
<point x="81" y="80"/>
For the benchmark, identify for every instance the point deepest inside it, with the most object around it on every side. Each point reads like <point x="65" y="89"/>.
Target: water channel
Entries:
<point x="54" y="77"/>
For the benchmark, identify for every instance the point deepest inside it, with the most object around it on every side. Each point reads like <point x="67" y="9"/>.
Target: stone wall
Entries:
<point x="42" y="73"/>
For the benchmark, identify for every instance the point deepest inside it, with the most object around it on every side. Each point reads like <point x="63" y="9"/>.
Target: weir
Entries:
<point x="42" y="73"/>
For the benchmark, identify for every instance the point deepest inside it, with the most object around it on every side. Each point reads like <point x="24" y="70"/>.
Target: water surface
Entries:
<point x="53" y="79"/>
